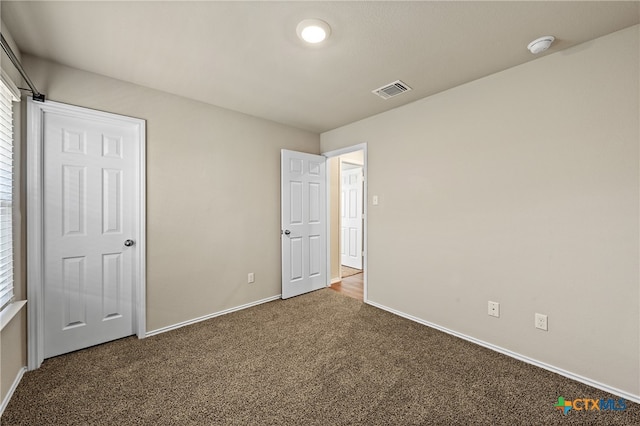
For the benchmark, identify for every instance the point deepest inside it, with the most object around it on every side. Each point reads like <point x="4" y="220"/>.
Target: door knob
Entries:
<point x="129" y="243"/>
<point x="287" y="232"/>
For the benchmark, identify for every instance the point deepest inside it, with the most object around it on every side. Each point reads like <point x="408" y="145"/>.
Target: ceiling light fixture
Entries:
<point x="541" y="44"/>
<point x="313" y="30"/>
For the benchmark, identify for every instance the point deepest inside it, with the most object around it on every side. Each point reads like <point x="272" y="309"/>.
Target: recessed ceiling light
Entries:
<point x="313" y="30"/>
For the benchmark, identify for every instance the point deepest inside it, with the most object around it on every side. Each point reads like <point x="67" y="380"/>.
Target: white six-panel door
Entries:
<point x="304" y="227"/>
<point x="90" y="179"/>
<point x="351" y="217"/>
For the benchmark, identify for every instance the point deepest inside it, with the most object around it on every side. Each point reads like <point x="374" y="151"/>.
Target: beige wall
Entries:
<point x="13" y="351"/>
<point x="356" y="157"/>
<point x="6" y="64"/>
<point x="213" y="192"/>
<point x="13" y="345"/>
<point x="520" y="188"/>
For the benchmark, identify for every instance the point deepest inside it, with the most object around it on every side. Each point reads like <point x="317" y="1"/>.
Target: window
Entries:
<point x="7" y="97"/>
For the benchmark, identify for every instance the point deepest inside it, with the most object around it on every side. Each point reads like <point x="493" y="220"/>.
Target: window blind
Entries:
<point x="6" y="195"/>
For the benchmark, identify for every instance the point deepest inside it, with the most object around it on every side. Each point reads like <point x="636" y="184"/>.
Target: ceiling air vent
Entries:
<point x="392" y="89"/>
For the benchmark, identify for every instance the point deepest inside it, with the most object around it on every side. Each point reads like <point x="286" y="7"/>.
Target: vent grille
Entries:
<point x="392" y="89"/>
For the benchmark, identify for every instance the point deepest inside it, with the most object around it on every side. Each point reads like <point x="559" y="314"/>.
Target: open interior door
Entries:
<point x="92" y="225"/>
<point x="351" y="217"/>
<point x="303" y="223"/>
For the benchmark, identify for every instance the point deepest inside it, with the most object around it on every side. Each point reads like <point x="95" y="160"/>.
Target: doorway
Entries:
<point x="346" y="170"/>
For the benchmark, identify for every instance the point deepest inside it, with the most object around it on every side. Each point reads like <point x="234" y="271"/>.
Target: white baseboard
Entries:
<point x="335" y="280"/>
<point x="209" y="316"/>
<point x="12" y="389"/>
<point x="553" y="369"/>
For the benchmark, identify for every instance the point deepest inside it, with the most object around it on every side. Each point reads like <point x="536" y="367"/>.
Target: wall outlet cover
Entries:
<point x="494" y="309"/>
<point x="541" y="322"/>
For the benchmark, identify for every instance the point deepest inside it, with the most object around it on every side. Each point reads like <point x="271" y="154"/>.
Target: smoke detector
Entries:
<point x="392" y="89"/>
<point x="541" y="44"/>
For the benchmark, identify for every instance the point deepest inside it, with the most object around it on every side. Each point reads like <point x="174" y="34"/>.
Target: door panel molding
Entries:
<point x="351" y="215"/>
<point x="303" y="222"/>
<point x="35" y="219"/>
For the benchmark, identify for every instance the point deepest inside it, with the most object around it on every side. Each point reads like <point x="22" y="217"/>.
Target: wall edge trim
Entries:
<point x="515" y="355"/>
<point x="12" y="389"/>
<point x="212" y="315"/>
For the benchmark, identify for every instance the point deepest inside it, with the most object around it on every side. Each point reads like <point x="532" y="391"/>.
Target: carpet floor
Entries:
<point x="316" y="359"/>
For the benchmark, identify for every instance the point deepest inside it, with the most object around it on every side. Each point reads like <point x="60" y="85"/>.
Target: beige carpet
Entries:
<point x="347" y="271"/>
<point x="317" y="359"/>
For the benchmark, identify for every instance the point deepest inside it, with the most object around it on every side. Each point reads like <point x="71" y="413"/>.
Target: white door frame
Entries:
<point x="365" y="211"/>
<point x="35" y="222"/>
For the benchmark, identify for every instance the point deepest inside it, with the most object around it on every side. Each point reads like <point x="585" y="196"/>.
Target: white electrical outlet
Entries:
<point x="494" y="309"/>
<point x="541" y="322"/>
<point x="251" y="278"/>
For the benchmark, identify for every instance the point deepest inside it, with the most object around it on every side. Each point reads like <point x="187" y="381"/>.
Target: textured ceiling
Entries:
<point x="246" y="56"/>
